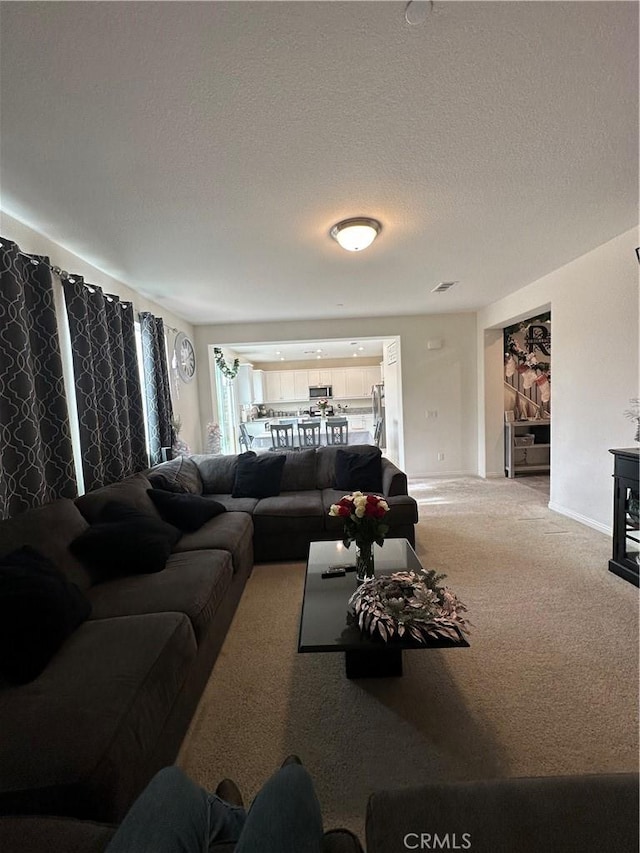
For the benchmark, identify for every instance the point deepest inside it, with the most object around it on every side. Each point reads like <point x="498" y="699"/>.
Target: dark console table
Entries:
<point x="626" y="514"/>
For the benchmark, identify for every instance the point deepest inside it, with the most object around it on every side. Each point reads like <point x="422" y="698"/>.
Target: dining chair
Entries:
<point x="337" y="431"/>
<point x="309" y="433"/>
<point x="377" y="432"/>
<point x="244" y="438"/>
<point x="282" y="437"/>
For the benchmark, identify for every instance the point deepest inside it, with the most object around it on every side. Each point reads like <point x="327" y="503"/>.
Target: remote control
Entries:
<point x="334" y="572"/>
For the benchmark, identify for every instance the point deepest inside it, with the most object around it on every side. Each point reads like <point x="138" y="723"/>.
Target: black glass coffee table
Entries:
<point x="324" y="626"/>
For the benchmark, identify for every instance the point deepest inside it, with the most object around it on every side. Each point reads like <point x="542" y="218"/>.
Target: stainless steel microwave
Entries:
<point x="317" y="392"/>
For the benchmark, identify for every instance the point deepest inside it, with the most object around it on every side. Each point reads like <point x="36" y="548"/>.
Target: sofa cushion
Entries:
<point x="177" y="475"/>
<point x="57" y="525"/>
<point x="231" y="531"/>
<point x="258" y="476"/>
<point x="97" y="711"/>
<point x="278" y="515"/>
<point x="299" y="471"/>
<point x="33" y="833"/>
<point x="394" y="481"/>
<point x="234" y="504"/>
<point x="218" y="473"/>
<point x="359" y="471"/>
<point x="39" y="609"/>
<point x="326" y="463"/>
<point x="586" y="813"/>
<point x="185" y="511"/>
<point x="193" y="583"/>
<point x="124" y="541"/>
<point x="132" y="491"/>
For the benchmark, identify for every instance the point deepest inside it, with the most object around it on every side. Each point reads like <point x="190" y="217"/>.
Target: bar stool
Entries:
<point x="337" y="431"/>
<point x="309" y="434"/>
<point x="282" y="437"/>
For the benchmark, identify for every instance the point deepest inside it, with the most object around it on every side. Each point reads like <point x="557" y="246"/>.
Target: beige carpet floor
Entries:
<point x="548" y="686"/>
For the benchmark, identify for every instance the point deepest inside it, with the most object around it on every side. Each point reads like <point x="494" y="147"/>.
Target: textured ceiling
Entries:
<point x="201" y="151"/>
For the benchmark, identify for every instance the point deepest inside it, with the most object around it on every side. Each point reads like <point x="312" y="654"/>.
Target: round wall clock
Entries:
<point x="185" y="356"/>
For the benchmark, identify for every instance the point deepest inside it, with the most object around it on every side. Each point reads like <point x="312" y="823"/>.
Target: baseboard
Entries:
<point x="583" y="519"/>
<point x="442" y="474"/>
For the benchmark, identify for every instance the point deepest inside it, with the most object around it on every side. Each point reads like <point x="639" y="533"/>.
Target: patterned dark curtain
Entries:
<point x="108" y="397"/>
<point x="156" y="380"/>
<point x="36" y="456"/>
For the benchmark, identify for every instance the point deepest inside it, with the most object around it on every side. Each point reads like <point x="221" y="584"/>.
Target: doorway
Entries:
<point x="527" y="397"/>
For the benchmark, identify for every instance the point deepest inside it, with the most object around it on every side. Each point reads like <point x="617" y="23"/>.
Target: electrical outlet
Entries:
<point x="432" y="414"/>
<point x="440" y="457"/>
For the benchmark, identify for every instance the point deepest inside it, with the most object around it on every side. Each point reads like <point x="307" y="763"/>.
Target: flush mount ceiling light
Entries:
<point x="417" y="11"/>
<point x="355" y="234"/>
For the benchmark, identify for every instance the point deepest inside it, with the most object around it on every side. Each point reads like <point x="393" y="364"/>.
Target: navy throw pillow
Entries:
<point x="188" y="512"/>
<point x="39" y="609"/>
<point x="359" y="471"/>
<point x="258" y="476"/>
<point x="124" y="541"/>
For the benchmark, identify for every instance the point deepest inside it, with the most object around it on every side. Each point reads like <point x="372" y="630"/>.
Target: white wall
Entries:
<point x="391" y="365"/>
<point x="441" y="380"/>
<point x="594" y="329"/>
<point x="184" y="397"/>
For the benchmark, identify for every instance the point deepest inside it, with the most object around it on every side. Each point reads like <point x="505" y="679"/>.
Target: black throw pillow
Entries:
<point x="258" y="476"/>
<point x="188" y="512"/>
<point x="39" y="609"/>
<point x="359" y="471"/>
<point x="124" y="541"/>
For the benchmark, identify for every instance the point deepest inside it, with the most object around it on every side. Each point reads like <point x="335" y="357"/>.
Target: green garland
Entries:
<point x="223" y="367"/>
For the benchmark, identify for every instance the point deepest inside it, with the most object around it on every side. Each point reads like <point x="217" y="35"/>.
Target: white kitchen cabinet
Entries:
<point x="356" y="422"/>
<point x="301" y="385"/>
<point x="339" y="382"/>
<point x="244" y="385"/>
<point x="287" y="385"/>
<point x="271" y="386"/>
<point x="279" y="386"/>
<point x="355" y="382"/>
<point x="258" y="386"/>
<point x="372" y="376"/>
<point x="320" y="376"/>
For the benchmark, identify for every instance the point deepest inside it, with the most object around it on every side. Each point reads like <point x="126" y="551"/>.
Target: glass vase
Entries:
<point x="364" y="561"/>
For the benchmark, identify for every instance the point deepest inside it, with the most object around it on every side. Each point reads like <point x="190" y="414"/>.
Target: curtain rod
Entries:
<point x="37" y="261"/>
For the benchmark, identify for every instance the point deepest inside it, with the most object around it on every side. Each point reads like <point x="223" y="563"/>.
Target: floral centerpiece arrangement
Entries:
<point x="411" y="604"/>
<point x="363" y="524"/>
<point x="322" y="405"/>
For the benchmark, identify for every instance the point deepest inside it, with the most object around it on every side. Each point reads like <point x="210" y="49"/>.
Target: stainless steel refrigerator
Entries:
<point x="377" y="405"/>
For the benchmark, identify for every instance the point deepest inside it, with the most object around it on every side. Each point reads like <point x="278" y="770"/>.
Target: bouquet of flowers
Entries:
<point x="409" y="603"/>
<point x="362" y="516"/>
<point x="322" y="405"/>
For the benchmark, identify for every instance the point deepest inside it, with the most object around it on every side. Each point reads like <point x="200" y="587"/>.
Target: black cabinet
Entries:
<point x="626" y="515"/>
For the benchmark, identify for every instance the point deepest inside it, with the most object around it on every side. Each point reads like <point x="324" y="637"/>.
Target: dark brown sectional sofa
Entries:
<point x="79" y="742"/>
<point x="114" y="703"/>
<point x="284" y="525"/>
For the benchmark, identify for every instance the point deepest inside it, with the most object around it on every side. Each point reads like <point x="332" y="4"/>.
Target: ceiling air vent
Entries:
<point x="444" y="285"/>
